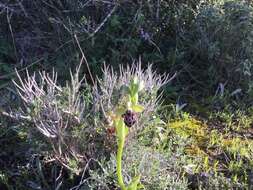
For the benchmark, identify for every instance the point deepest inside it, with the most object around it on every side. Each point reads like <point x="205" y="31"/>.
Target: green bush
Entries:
<point x="221" y="38"/>
<point x="207" y="43"/>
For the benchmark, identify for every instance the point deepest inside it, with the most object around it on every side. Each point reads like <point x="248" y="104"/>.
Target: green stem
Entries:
<point x="119" y="164"/>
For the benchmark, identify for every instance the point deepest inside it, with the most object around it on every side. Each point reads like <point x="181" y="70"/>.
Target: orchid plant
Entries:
<point x="124" y="117"/>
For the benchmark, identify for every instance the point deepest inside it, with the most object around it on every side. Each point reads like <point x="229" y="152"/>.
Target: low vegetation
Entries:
<point x="126" y="94"/>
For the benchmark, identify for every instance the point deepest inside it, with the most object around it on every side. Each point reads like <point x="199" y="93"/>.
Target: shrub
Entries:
<point x="61" y="115"/>
<point x="217" y="33"/>
<point x="75" y="119"/>
<point x="208" y="42"/>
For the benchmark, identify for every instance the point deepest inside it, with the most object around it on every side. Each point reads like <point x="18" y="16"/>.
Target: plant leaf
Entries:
<point x="134" y="183"/>
<point x="121" y="129"/>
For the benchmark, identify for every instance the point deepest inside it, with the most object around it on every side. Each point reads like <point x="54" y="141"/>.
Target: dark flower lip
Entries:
<point x="130" y="118"/>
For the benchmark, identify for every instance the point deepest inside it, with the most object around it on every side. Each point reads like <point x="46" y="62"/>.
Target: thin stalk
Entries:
<point x="119" y="164"/>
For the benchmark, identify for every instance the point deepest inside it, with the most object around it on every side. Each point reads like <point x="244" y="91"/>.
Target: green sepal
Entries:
<point x="134" y="99"/>
<point x="137" y="108"/>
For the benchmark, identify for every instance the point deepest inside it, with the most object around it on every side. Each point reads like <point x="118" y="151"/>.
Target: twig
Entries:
<point x="104" y="21"/>
<point x="22" y="69"/>
<point x="95" y="31"/>
<point x="82" y="181"/>
<point x="10" y="28"/>
<point x="88" y="67"/>
<point x="14" y="117"/>
<point x="84" y="58"/>
<point x="23" y="9"/>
